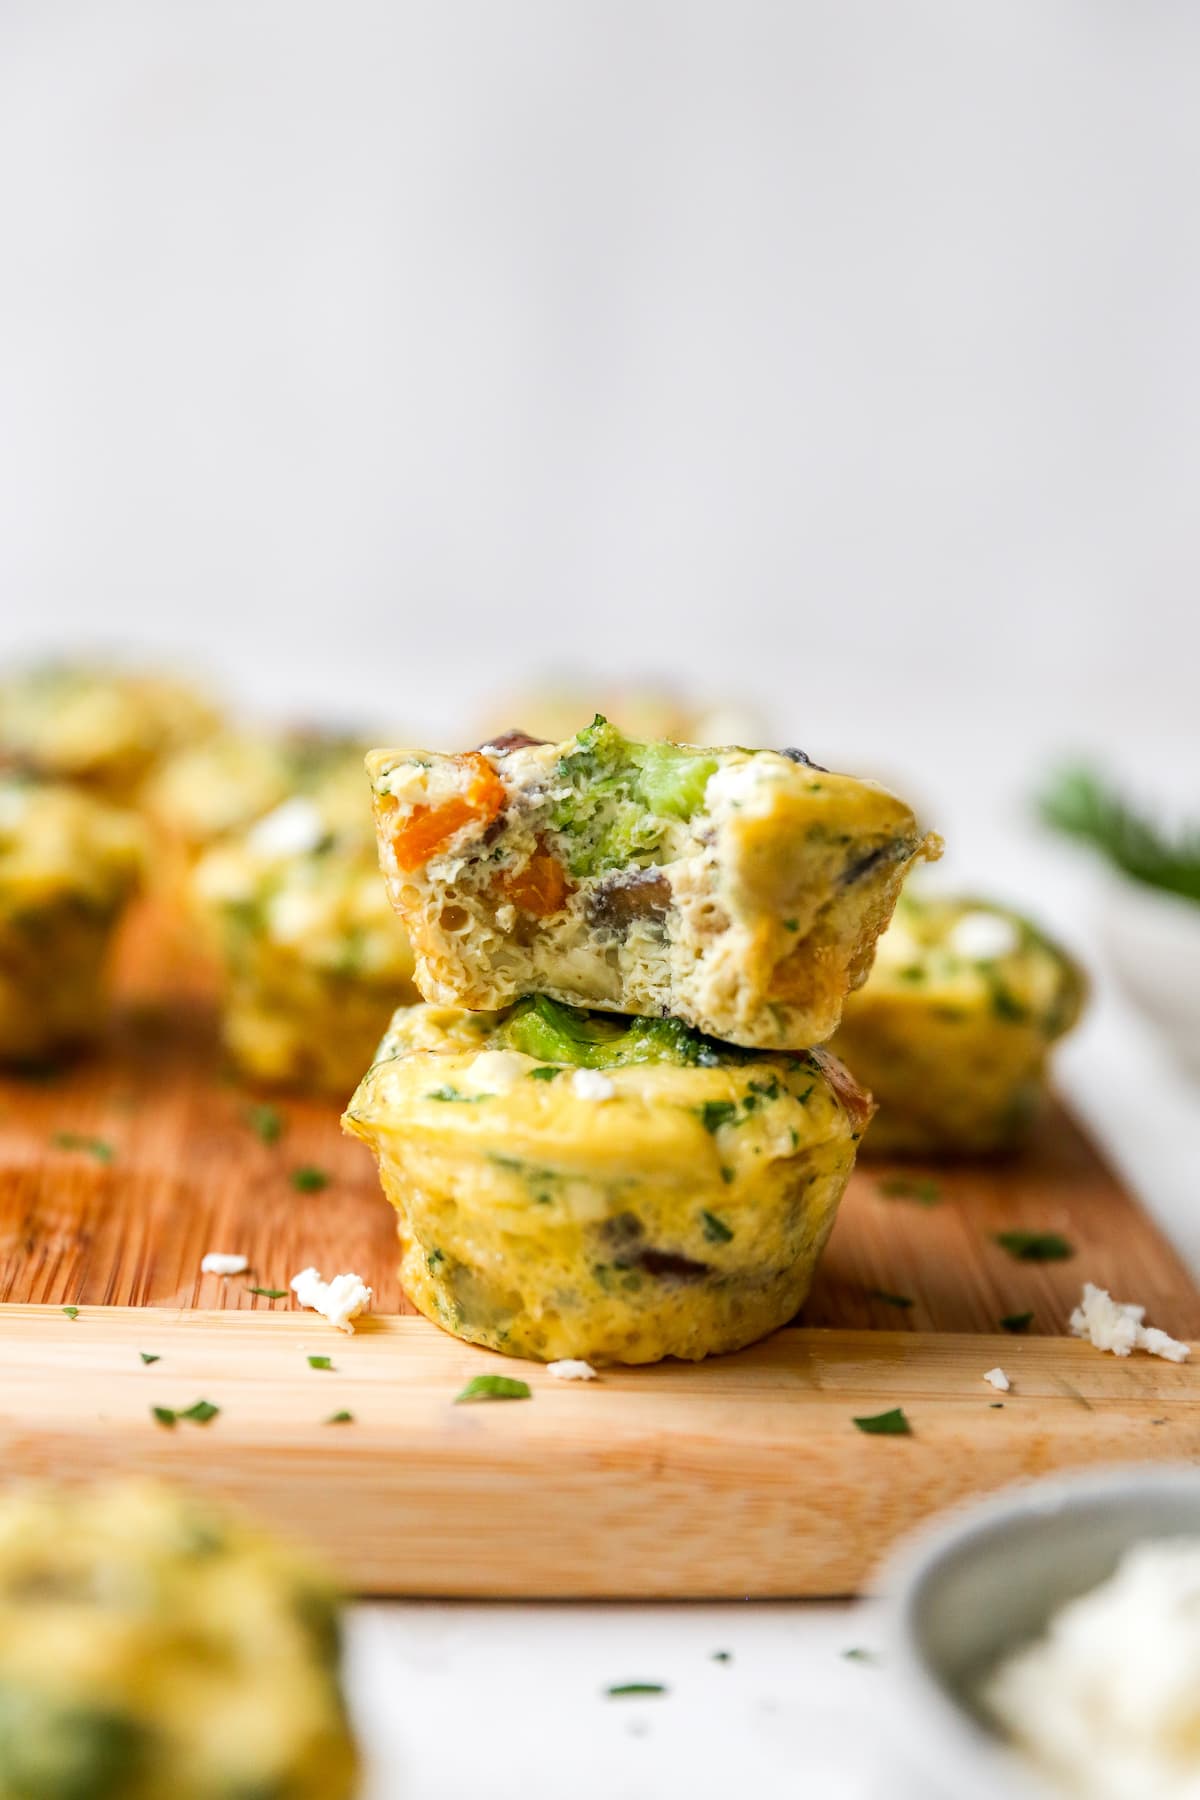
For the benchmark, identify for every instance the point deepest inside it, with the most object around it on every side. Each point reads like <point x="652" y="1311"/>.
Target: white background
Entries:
<point x="835" y="357"/>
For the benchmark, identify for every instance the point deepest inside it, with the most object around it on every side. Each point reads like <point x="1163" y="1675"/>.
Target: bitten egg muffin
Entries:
<point x="740" y="891"/>
<point x="314" y="959"/>
<point x="575" y="1184"/>
<point x="68" y="866"/>
<point x="105" y="728"/>
<point x="952" y="1030"/>
<point x="152" y="1649"/>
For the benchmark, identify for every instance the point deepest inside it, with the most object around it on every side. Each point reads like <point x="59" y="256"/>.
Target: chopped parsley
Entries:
<point x="266" y="1122"/>
<point x="166" y="1415"/>
<point x="791" y="924"/>
<point x="722" y="1656"/>
<point x="716" y="1230"/>
<point x="75" y="1140"/>
<point x="632" y="1690"/>
<point x="320" y="1362"/>
<point x="446" y="1092"/>
<point x="1016" y="1321"/>
<point x="201" y="1411"/>
<point x="911" y="1187"/>
<point x="857" y="1654"/>
<point x="308" y="1179"/>
<point x="546" y="1072"/>
<point x="149" y="1356"/>
<point x="340" y="1418"/>
<point x="494" y="1387"/>
<point x="72" y="1312"/>
<point x="890" y="1299"/>
<point x="1035" y="1246"/>
<point x="269" y="1293"/>
<point x="715" y="1113"/>
<point x="886" y="1424"/>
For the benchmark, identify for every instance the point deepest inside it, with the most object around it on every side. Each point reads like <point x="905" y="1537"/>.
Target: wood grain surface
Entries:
<point x="740" y="1476"/>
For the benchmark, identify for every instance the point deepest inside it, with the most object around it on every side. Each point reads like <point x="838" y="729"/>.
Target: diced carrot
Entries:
<point x="539" y="886"/>
<point x="427" y="828"/>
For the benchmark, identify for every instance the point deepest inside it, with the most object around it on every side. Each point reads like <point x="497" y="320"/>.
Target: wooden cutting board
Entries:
<point x="744" y="1476"/>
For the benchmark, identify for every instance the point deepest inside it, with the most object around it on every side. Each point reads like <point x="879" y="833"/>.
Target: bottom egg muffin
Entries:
<point x="68" y="865"/>
<point x="577" y="1184"/>
<point x="313" y="957"/>
<point x="952" y="1029"/>
<point x="151" y="1649"/>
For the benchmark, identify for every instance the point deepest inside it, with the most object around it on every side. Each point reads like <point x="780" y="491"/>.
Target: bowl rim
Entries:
<point x="965" y="1748"/>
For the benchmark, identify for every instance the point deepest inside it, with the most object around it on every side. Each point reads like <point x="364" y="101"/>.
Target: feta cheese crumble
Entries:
<point x="340" y="1300"/>
<point x="983" y="936"/>
<point x="1107" y="1702"/>
<point x="571" y="1368"/>
<point x="496" y="1071"/>
<point x="218" y="1263"/>
<point x="590" y="1084"/>
<point x="1117" y="1326"/>
<point x="998" y="1379"/>
<point x="292" y="829"/>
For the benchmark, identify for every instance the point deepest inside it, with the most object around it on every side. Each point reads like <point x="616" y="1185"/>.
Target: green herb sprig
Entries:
<point x="1081" y="803"/>
<point x="494" y="1387"/>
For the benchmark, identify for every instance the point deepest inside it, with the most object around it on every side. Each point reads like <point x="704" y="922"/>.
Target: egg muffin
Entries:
<point x="68" y="866"/>
<point x="951" y="1031"/>
<point x="739" y="891"/>
<point x="151" y="1649"/>
<point x="105" y="728"/>
<point x="313" y="957"/>
<point x="574" y="1184"/>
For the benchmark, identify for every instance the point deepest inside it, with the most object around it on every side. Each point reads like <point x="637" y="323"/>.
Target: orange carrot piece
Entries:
<point x="427" y="828"/>
<point x="540" y="886"/>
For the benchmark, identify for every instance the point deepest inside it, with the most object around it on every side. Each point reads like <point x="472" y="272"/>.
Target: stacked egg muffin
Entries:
<point x="608" y="1132"/>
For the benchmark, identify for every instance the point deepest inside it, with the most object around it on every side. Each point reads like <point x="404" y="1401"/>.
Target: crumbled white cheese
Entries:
<point x="339" y="1300"/>
<point x="998" y="1379"/>
<point x="983" y="936"/>
<point x="571" y="1368"/>
<point x="218" y="1263"/>
<point x="1107" y="1702"/>
<point x="1117" y="1326"/>
<point x="496" y="1071"/>
<point x="590" y="1084"/>
<point x="733" y="786"/>
<point x="291" y="830"/>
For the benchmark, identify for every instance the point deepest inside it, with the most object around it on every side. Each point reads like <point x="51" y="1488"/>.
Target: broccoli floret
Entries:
<point x="555" y="1033"/>
<point x="620" y="794"/>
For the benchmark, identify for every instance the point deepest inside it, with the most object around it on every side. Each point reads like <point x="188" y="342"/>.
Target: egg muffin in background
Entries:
<point x="740" y="891"/>
<point x="577" y="1184"/>
<point x="104" y="727"/>
<point x="153" y="1649"/>
<point x="69" y="863"/>
<point x="313" y="958"/>
<point x="952" y="1029"/>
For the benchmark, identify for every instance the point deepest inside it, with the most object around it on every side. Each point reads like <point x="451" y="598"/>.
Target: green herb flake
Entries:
<point x="911" y="1187"/>
<point x="72" y="1312"/>
<point x="494" y="1387"/>
<point x="308" y="1179"/>
<point x="857" y="1654"/>
<point x="200" y="1412"/>
<point x="1035" y="1246"/>
<point x="715" y="1113"/>
<point x="716" y="1230"/>
<point x="901" y="1300"/>
<point x="166" y="1415"/>
<point x="149" y="1356"/>
<point x="886" y="1424"/>
<point x="320" y="1362"/>
<point x="634" y="1690"/>
<point x="791" y="924"/>
<point x="340" y="1418"/>
<point x="546" y="1072"/>
<point x="92" y="1146"/>
<point x="721" y="1656"/>
<point x="266" y="1122"/>
<point x="1016" y="1321"/>
<point x="446" y="1092"/>
<point x="269" y="1293"/>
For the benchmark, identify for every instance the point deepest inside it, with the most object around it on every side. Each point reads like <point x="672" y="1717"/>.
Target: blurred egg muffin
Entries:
<point x="575" y="1184"/>
<point x="151" y="1649"/>
<point x="68" y="865"/>
<point x="105" y="728"/>
<point x="314" y="959"/>
<point x="951" y="1031"/>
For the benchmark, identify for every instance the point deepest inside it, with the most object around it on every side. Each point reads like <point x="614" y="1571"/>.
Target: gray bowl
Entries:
<point x="968" y="1594"/>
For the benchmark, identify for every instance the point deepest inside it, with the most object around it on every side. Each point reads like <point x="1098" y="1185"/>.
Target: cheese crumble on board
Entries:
<point x="1107" y="1702"/>
<point x="572" y="1368"/>
<point x="340" y="1300"/>
<point x="218" y="1263"/>
<point x="998" y="1379"/>
<point x="1117" y="1326"/>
